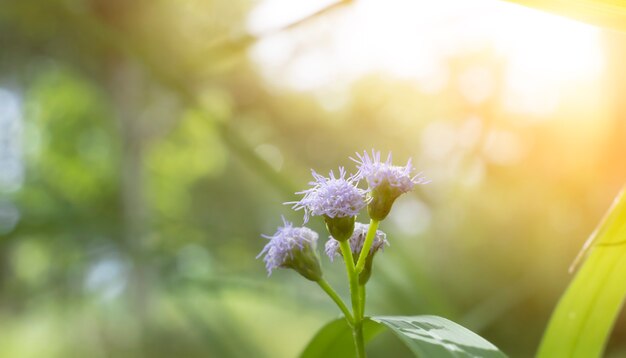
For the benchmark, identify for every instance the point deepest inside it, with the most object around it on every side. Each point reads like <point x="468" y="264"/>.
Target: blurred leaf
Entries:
<point x="604" y="13"/>
<point x="335" y="339"/>
<point x="433" y="336"/>
<point x="582" y="321"/>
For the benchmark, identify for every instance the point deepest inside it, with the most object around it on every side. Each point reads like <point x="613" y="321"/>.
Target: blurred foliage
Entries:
<point x="152" y="155"/>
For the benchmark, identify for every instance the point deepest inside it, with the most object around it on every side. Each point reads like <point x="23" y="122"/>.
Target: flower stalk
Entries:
<point x="367" y="245"/>
<point x="357" y="326"/>
<point x="335" y="297"/>
<point x="338" y="199"/>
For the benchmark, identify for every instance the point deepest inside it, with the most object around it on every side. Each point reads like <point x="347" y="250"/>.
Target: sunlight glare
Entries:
<point x="411" y="39"/>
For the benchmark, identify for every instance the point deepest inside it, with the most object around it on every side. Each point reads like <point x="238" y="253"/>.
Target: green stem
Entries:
<point x="335" y="297"/>
<point x="354" y="284"/>
<point x="359" y="342"/>
<point x="357" y="327"/>
<point x="362" y="300"/>
<point x="367" y="245"/>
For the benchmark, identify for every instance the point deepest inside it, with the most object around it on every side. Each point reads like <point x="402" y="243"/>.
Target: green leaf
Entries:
<point x="433" y="337"/>
<point x="335" y="339"/>
<point x="583" y="318"/>
<point x="604" y="13"/>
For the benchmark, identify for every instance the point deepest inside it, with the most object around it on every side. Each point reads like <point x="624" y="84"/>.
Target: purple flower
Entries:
<point x="386" y="182"/>
<point x="333" y="197"/>
<point x="377" y="172"/>
<point x="332" y="248"/>
<point x="292" y="247"/>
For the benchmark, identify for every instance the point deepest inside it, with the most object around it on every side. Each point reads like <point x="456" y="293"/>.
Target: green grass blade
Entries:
<point x="335" y="339"/>
<point x="604" y="13"/>
<point x="582" y="321"/>
<point x="437" y="337"/>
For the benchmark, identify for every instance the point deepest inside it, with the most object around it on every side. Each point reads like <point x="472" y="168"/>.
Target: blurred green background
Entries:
<point x="146" y="145"/>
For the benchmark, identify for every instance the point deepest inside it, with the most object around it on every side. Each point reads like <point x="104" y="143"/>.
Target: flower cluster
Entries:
<point x="338" y="199"/>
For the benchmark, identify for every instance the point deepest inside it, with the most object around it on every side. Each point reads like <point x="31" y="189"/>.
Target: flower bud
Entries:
<point x="364" y="276"/>
<point x="381" y="200"/>
<point x="340" y="228"/>
<point x="306" y="262"/>
<point x="356" y="244"/>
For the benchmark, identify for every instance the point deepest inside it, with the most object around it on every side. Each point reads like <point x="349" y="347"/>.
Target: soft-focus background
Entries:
<point x="146" y="145"/>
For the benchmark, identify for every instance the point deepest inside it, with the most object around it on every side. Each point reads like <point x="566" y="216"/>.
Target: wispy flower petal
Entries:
<point x="386" y="182"/>
<point x="377" y="172"/>
<point x="334" y="197"/>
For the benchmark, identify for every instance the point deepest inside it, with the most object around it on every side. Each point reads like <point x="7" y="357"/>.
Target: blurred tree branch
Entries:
<point x="231" y="46"/>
